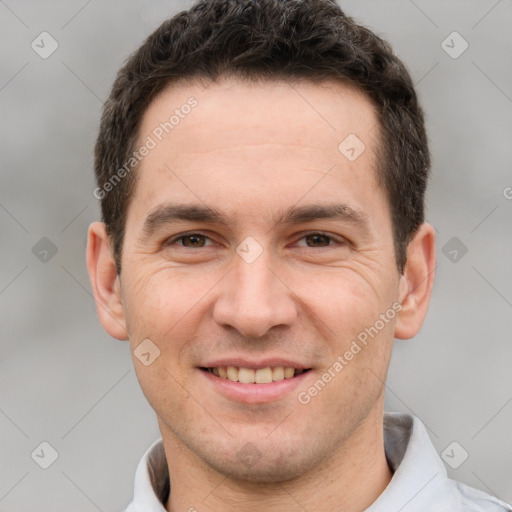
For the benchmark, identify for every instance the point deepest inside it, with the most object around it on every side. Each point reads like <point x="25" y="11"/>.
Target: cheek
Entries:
<point x="162" y="306"/>
<point x="160" y="301"/>
<point x="349" y="311"/>
<point x="346" y="301"/>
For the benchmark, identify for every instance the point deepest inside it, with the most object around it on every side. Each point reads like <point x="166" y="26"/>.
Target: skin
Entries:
<point x="304" y="298"/>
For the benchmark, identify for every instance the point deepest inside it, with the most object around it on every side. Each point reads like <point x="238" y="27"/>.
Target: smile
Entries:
<point x="255" y="375"/>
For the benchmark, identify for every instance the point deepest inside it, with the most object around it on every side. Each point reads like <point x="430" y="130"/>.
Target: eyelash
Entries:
<point x="173" y="240"/>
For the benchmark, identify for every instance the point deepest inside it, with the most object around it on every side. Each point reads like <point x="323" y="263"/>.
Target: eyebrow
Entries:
<point x="171" y="213"/>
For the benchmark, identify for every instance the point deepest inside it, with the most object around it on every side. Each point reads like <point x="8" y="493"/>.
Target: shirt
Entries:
<point x="419" y="481"/>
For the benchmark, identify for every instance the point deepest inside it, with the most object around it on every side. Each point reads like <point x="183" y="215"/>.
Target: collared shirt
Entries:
<point x="419" y="481"/>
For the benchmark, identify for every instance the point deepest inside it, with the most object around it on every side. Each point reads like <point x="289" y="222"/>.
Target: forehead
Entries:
<point x="229" y="137"/>
<point x="318" y="115"/>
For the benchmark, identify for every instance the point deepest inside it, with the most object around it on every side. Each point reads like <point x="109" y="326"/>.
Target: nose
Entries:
<point x="254" y="298"/>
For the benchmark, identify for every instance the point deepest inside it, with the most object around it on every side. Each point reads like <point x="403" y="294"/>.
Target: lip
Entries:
<point x="254" y="393"/>
<point x="256" y="365"/>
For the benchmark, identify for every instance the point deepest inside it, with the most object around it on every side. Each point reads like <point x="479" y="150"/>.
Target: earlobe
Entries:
<point x="416" y="282"/>
<point x="105" y="281"/>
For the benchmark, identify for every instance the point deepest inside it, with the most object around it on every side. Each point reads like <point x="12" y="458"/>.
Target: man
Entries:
<point x="262" y="167"/>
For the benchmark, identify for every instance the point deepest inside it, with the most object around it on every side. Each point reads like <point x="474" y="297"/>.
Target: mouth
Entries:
<point x="245" y="375"/>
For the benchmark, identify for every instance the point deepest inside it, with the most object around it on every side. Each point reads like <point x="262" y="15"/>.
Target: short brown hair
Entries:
<point x="311" y="40"/>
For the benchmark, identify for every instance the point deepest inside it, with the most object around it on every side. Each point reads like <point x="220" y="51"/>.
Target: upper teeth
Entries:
<point x="252" y="376"/>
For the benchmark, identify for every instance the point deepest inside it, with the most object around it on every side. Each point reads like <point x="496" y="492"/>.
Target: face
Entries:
<point x="259" y="248"/>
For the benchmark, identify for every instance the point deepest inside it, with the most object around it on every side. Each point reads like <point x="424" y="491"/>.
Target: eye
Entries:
<point x="189" y="240"/>
<point x="318" y="239"/>
<point x="312" y="240"/>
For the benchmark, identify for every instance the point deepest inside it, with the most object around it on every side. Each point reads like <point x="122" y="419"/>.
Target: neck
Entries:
<point x="350" y="480"/>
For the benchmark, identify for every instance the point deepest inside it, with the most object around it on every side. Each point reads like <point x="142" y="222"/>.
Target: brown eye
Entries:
<point x="318" y="240"/>
<point x="189" y="241"/>
<point x="193" y="241"/>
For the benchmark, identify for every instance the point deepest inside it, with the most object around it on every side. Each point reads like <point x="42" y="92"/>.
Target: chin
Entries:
<point x="266" y="464"/>
<point x="261" y="473"/>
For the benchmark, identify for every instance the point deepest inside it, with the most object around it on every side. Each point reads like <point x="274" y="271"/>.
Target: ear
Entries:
<point x="105" y="281"/>
<point x="416" y="282"/>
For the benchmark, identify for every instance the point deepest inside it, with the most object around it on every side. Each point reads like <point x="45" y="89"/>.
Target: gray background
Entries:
<point x="66" y="382"/>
